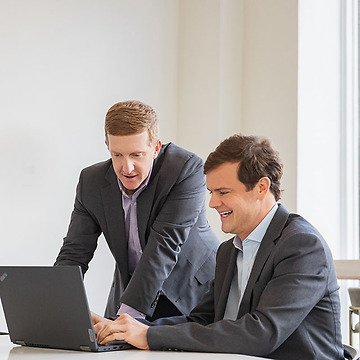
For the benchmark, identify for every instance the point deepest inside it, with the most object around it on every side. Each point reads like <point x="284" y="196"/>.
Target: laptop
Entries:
<point x="47" y="307"/>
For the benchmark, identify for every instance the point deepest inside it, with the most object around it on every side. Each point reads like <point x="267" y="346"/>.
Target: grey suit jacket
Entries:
<point x="290" y="308"/>
<point x="179" y="247"/>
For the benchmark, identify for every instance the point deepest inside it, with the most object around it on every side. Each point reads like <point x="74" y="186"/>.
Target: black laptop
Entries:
<point x="47" y="307"/>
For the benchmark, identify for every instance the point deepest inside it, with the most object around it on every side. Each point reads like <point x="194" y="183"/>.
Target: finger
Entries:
<point x="99" y="332"/>
<point x="99" y="335"/>
<point x="96" y="318"/>
<point x="107" y="330"/>
<point x="110" y="331"/>
<point x="98" y="327"/>
<point x="112" y="337"/>
<point x="94" y="315"/>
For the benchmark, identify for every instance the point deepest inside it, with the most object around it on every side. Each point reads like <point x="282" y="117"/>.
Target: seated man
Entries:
<point x="275" y="292"/>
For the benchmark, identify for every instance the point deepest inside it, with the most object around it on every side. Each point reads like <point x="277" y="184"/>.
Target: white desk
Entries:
<point x="9" y="351"/>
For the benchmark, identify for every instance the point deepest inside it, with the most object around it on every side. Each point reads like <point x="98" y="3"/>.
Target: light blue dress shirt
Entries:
<point x="247" y="251"/>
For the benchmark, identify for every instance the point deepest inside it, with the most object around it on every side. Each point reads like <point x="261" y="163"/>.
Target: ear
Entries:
<point x="263" y="187"/>
<point x="157" y="149"/>
<point x="107" y="143"/>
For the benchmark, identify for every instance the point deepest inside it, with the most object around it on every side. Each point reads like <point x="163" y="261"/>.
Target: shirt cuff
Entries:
<point x="125" y="309"/>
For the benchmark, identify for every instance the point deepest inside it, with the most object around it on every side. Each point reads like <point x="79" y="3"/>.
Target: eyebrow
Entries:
<point x="220" y="189"/>
<point x="132" y="153"/>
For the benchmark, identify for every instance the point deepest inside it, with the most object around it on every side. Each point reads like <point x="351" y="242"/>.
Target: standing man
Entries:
<point x="275" y="292"/>
<point x="149" y="202"/>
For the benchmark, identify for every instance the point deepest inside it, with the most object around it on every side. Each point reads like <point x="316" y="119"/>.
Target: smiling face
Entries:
<point x="132" y="157"/>
<point x="240" y="210"/>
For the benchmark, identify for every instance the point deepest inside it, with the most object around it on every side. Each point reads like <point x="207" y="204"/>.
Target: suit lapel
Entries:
<point x="267" y="244"/>
<point x="114" y="215"/>
<point x="145" y="202"/>
<point x="228" y="264"/>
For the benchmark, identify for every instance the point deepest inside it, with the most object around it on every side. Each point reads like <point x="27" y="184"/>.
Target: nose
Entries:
<point x="213" y="202"/>
<point x="127" y="166"/>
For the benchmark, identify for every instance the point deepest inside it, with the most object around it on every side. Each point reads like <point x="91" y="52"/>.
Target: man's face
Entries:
<point x="238" y="208"/>
<point x="132" y="157"/>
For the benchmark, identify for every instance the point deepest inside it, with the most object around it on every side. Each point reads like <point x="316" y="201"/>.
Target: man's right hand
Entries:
<point x="99" y="322"/>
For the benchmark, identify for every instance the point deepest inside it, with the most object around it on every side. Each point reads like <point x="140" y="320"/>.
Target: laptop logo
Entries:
<point x="3" y="276"/>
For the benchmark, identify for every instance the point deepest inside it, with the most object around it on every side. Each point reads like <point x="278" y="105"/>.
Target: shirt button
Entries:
<point x="246" y="263"/>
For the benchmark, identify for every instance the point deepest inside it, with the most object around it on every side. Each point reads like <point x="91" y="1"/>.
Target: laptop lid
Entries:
<point x="47" y="306"/>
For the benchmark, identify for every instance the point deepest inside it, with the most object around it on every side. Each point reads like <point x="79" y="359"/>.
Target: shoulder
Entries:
<point x="298" y="227"/>
<point x="174" y="161"/>
<point x="96" y="173"/>
<point x="224" y="249"/>
<point x="98" y="168"/>
<point x="171" y="153"/>
<point x="302" y="247"/>
<point x="300" y="235"/>
<point x="285" y="224"/>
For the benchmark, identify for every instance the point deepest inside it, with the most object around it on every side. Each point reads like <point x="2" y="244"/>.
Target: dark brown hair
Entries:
<point x="256" y="159"/>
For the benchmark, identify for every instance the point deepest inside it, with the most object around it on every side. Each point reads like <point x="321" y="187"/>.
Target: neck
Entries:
<point x="261" y="215"/>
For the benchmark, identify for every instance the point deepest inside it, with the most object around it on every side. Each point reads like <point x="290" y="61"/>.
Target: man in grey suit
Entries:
<point x="149" y="202"/>
<point x="275" y="292"/>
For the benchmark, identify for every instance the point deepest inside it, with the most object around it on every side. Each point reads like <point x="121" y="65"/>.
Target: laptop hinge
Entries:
<point x="20" y="342"/>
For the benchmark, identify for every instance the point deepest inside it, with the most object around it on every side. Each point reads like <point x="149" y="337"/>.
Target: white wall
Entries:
<point x="238" y="73"/>
<point x="209" y="77"/>
<point x="269" y="84"/>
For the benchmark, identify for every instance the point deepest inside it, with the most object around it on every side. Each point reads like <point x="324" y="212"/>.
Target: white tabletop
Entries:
<point x="9" y="351"/>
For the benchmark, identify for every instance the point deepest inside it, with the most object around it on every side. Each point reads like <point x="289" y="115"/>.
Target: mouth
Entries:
<point x="129" y="176"/>
<point x="225" y="214"/>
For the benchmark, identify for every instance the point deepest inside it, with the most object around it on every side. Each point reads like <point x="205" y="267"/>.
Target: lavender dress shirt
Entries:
<point x="132" y="234"/>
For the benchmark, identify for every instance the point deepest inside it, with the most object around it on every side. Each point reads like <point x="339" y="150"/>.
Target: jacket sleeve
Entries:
<point x="168" y="233"/>
<point x="297" y="283"/>
<point x="80" y="242"/>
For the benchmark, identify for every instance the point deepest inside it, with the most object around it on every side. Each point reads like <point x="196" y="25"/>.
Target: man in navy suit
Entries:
<point x="149" y="202"/>
<point x="275" y="292"/>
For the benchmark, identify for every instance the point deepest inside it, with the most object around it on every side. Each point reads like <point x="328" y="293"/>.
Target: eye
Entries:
<point x="137" y="155"/>
<point x="116" y="155"/>
<point x="223" y="192"/>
